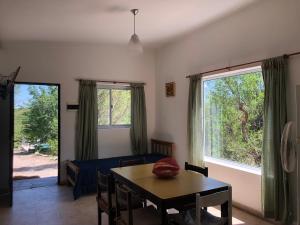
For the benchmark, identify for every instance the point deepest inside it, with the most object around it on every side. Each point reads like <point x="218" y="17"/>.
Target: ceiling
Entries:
<point x="108" y="21"/>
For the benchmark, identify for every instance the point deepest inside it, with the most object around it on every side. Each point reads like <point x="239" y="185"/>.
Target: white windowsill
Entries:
<point x="233" y="165"/>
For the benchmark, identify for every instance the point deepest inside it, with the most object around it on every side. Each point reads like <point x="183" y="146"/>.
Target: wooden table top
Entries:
<point x="185" y="183"/>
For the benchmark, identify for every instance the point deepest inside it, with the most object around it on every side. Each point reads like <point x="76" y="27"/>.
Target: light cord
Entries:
<point x="134" y="23"/>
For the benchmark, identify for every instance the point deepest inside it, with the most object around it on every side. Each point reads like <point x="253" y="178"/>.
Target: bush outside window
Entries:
<point x="233" y="116"/>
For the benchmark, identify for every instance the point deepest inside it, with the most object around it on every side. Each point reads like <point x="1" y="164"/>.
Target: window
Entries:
<point x="114" y="106"/>
<point x="233" y="116"/>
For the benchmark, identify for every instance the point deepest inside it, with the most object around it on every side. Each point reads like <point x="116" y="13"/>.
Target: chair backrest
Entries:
<point x="162" y="147"/>
<point x="197" y="169"/>
<point x="131" y="162"/>
<point x="105" y="184"/>
<point x="215" y="199"/>
<point x="123" y="198"/>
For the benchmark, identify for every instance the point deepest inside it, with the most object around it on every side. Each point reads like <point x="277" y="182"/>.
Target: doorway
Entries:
<point x="36" y="135"/>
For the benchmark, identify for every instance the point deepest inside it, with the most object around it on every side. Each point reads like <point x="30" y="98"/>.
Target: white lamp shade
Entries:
<point x="135" y="44"/>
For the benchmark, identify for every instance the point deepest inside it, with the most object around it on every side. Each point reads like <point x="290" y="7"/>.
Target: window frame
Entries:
<point x="110" y="88"/>
<point x="222" y="161"/>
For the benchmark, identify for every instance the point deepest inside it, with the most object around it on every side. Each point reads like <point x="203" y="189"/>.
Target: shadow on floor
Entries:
<point x="34" y="183"/>
<point x="23" y="152"/>
<point x="35" y="168"/>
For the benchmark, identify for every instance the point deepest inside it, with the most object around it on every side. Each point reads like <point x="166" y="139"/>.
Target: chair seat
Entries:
<point x="145" y="216"/>
<point x="189" y="218"/>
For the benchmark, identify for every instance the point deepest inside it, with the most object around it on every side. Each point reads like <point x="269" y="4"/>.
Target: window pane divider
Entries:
<point x="110" y="107"/>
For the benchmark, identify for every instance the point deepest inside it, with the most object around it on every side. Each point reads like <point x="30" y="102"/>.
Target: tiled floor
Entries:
<point x="54" y="205"/>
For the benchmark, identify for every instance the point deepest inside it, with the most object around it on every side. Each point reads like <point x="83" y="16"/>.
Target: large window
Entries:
<point x="233" y="116"/>
<point x="114" y="106"/>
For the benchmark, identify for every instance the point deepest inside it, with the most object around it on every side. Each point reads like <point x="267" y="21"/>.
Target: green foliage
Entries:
<point x="103" y="106"/>
<point x="53" y="143"/>
<point x="18" y="126"/>
<point x="234" y="118"/>
<point x="40" y="124"/>
<point x="120" y="103"/>
<point x="121" y="106"/>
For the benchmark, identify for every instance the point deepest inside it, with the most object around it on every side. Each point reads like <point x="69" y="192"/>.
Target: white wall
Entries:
<point x="239" y="179"/>
<point x="265" y="29"/>
<point x="62" y="63"/>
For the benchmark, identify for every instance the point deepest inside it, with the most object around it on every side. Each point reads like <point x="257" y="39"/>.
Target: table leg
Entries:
<point x="163" y="213"/>
<point x="226" y="208"/>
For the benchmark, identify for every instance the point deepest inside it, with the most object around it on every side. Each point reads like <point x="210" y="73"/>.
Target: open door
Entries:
<point x="6" y="136"/>
<point x="6" y="147"/>
<point x="36" y="135"/>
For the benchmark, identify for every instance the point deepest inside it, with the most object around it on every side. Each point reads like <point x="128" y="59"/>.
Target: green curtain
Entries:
<point x="274" y="179"/>
<point x="87" y="120"/>
<point x="194" y="123"/>
<point x="138" y="130"/>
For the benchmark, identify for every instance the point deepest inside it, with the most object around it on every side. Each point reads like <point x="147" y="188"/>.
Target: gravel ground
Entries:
<point x="34" y="165"/>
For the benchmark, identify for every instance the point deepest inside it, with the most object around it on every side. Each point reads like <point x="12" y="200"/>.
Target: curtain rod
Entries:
<point x="113" y="81"/>
<point x="239" y="65"/>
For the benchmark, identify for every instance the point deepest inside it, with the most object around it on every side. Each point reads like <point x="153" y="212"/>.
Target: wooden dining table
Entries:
<point x="169" y="193"/>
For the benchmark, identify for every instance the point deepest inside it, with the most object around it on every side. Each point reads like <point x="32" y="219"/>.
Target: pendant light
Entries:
<point x="134" y="42"/>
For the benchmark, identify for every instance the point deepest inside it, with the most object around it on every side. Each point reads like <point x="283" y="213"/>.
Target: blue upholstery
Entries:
<point x="87" y="177"/>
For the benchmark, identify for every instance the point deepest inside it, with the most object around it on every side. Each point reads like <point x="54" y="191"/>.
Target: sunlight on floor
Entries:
<point x="217" y="212"/>
<point x="239" y="217"/>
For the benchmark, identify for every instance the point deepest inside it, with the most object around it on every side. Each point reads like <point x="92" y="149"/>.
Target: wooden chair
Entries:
<point x="198" y="216"/>
<point x="105" y="197"/>
<point x="203" y="217"/>
<point x="197" y="169"/>
<point x="131" y="162"/>
<point x="146" y="216"/>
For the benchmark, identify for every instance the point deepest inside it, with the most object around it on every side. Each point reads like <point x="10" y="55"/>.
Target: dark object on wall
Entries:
<point x="7" y="82"/>
<point x="72" y="107"/>
<point x="170" y="89"/>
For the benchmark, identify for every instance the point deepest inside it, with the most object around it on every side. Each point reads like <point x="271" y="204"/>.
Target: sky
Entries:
<point x="22" y="96"/>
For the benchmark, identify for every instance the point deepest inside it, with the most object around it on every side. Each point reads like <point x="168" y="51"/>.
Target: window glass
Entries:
<point x="121" y="107"/>
<point x="233" y="117"/>
<point x="103" y="107"/>
<point x="114" y="107"/>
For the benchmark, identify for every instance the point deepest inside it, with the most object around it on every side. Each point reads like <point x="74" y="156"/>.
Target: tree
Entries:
<point x="40" y="124"/>
<point x="18" y="118"/>
<point x="234" y="117"/>
<point x="18" y="126"/>
<point x="103" y="106"/>
<point x="121" y="106"/>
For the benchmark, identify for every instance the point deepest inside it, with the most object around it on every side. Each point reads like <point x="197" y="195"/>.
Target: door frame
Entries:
<point x="59" y="125"/>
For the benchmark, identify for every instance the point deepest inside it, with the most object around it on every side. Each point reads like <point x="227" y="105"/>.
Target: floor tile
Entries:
<point x="55" y="205"/>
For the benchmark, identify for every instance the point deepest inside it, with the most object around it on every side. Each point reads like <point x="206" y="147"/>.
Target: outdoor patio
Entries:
<point x="33" y="170"/>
